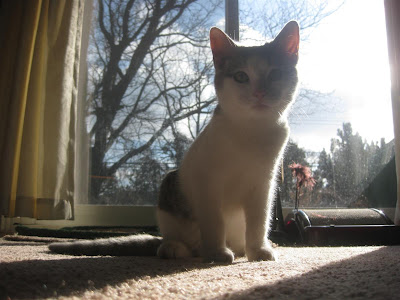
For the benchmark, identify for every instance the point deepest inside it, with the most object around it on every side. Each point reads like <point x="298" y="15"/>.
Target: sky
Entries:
<point x="347" y="56"/>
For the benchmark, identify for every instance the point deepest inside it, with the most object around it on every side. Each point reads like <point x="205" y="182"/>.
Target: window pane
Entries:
<point x="149" y="92"/>
<point x="342" y="120"/>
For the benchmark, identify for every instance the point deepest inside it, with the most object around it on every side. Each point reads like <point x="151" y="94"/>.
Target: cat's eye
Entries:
<point x="241" y="77"/>
<point x="275" y="75"/>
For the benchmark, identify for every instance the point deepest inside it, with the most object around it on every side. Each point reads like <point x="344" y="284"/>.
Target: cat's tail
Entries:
<point x="134" y="245"/>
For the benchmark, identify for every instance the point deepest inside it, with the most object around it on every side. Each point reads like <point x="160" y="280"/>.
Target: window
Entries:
<point x="341" y="122"/>
<point x="346" y="130"/>
<point x="150" y="93"/>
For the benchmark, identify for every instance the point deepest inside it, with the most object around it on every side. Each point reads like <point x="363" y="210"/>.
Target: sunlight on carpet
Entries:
<point x="29" y="271"/>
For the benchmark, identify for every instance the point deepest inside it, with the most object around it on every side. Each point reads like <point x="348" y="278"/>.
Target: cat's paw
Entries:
<point x="223" y="255"/>
<point x="173" y="249"/>
<point x="264" y="253"/>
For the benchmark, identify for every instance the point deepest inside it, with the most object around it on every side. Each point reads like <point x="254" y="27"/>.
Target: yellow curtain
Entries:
<point x="39" y="57"/>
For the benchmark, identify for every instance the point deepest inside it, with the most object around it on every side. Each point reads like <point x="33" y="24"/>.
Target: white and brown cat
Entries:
<point x="218" y="204"/>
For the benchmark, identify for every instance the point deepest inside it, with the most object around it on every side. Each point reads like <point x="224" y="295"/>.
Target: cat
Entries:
<point x="218" y="204"/>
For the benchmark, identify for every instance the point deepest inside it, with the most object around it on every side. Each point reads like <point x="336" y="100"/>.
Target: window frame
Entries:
<point x="93" y="215"/>
<point x="127" y="215"/>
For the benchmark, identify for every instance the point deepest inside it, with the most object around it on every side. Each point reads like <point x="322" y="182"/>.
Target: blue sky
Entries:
<point x="347" y="55"/>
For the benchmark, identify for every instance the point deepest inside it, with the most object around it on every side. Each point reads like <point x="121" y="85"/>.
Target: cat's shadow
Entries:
<point x="72" y="276"/>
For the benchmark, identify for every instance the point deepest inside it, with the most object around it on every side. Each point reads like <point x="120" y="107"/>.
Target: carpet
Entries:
<point x="29" y="271"/>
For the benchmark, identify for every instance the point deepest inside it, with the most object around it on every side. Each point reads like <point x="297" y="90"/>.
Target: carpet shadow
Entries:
<point x="375" y="275"/>
<point x="37" y="279"/>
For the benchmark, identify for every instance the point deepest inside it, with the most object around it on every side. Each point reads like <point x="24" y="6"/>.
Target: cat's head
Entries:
<point x="255" y="81"/>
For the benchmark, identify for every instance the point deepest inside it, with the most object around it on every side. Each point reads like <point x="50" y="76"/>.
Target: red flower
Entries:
<point x="303" y="175"/>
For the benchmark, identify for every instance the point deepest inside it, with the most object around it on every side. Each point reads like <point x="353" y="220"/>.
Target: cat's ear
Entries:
<point x="288" y="40"/>
<point x="221" y="45"/>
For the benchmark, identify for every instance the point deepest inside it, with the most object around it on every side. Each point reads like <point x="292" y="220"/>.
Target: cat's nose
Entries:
<point x="259" y="94"/>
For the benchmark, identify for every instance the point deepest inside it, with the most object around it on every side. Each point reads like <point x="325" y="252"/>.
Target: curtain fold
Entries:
<point x="392" y="12"/>
<point x="40" y="54"/>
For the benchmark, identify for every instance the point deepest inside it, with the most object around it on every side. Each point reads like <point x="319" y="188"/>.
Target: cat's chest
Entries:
<point x="248" y="144"/>
<point x="223" y="154"/>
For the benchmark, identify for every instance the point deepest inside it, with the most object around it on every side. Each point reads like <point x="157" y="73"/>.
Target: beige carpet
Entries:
<point x="29" y="271"/>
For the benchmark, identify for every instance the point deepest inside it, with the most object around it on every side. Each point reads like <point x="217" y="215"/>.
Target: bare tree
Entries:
<point x="151" y="75"/>
<point x="268" y="17"/>
<point x="142" y="74"/>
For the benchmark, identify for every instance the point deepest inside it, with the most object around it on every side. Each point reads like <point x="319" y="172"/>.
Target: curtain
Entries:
<point x="39" y="56"/>
<point x="392" y="11"/>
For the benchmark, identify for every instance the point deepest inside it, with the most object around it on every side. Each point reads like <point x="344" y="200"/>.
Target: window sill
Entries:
<point x="92" y="215"/>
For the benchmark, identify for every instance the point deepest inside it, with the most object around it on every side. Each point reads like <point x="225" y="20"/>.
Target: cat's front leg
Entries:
<point x="214" y="248"/>
<point x="257" y="226"/>
<point x="212" y="230"/>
